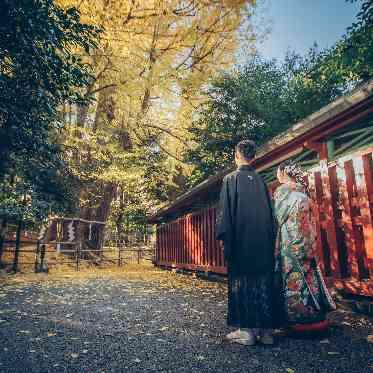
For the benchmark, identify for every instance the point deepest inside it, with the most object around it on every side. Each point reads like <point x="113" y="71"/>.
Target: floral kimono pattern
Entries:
<point x="305" y="296"/>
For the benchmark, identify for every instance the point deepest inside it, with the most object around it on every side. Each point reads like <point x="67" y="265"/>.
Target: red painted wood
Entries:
<point x="211" y="237"/>
<point x="361" y="175"/>
<point x="316" y="215"/>
<point x="197" y="229"/>
<point x="346" y="192"/>
<point x="364" y="287"/>
<point x="205" y="237"/>
<point x="337" y="210"/>
<point x="190" y="254"/>
<point x="183" y="241"/>
<point x="176" y="234"/>
<point x="342" y="195"/>
<point x="215" y="260"/>
<point x="322" y="236"/>
<point x="194" y="241"/>
<point x="330" y="219"/>
<point x="368" y="172"/>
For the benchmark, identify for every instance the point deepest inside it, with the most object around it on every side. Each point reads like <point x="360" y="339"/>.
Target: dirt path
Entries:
<point x="145" y="320"/>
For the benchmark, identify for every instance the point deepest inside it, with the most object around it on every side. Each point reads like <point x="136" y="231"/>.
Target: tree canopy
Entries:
<point x="38" y="73"/>
<point x="263" y="98"/>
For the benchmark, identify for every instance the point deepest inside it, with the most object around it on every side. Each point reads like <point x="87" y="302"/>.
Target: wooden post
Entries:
<point x="362" y="172"/>
<point x="346" y="191"/>
<point x="77" y="254"/>
<point x="42" y="257"/>
<point x="138" y="256"/>
<point x="37" y="252"/>
<point x="329" y="210"/>
<point x="18" y="240"/>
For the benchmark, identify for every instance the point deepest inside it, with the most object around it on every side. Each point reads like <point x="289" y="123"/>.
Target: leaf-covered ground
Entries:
<point x="138" y="319"/>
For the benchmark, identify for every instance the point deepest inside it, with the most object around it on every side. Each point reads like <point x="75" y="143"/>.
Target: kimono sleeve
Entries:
<point x="224" y="223"/>
<point x="274" y="222"/>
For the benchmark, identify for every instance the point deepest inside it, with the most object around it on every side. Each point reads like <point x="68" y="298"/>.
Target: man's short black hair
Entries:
<point x="247" y="149"/>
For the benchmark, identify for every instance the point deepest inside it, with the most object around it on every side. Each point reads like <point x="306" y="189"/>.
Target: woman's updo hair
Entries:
<point x="295" y="173"/>
<point x="247" y="149"/>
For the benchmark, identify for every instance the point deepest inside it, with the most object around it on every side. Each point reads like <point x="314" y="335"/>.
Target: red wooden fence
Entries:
<point x="342" y="194"/>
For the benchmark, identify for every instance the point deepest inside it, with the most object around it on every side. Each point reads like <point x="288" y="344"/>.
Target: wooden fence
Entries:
<point x="342" y="193"/>
<point x="41" y="257"/>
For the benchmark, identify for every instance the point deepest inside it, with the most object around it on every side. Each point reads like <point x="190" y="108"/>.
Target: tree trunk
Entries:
<point x="99" y="208"/>
<point x="18" y="241"/>
<point x="3" y="231"/>
<point x="82" y="115"/>
<point x="102" y="211"/>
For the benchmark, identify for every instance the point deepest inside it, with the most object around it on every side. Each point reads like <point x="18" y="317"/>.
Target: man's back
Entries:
<point x="247" y="223"/>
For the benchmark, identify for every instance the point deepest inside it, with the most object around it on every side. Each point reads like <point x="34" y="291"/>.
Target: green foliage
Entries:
<point x="38" y="73"/>
<point x="144" y="193"/>
<point x="257" y="102"/>
<point x="351" y="59"/>
<point x="263" y="98"/>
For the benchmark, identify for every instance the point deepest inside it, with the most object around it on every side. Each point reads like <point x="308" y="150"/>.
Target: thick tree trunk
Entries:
<point x="3" y="231"/>
<point x="100" y="212"/>
<point x="82" y="115"/>
<point x="98" y="207"/>
<point x="18" y="241"/>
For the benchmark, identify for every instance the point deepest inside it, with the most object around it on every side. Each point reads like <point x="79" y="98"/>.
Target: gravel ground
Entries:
<point x="147" y="320"/>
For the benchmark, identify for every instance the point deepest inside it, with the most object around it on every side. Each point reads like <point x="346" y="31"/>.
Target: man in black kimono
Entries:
<point x="246" y="225"/>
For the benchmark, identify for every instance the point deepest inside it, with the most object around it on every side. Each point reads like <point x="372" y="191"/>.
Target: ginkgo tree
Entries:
<point x="152" y="63"/>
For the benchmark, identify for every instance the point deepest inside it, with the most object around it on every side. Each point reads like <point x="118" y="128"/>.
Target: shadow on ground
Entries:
<point x="138" y="319"/>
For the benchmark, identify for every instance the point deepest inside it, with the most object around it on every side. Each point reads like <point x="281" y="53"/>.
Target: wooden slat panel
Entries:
<point x="213" y="246"/>
<point x="347" y="222"/>
<point x="194" y="251"/>
<point x="169" y="243"/>
<point x="180" y="241"/>
<point x="177" y="242"/>
<point x="368" y="172"/>
<point x="365" y="212"/>
<point x="337" y="210"/>
<point x="316" y="214"/>
<point x="330" y="218"/>
<point x="324" y="246"/>
<point x="206" y="238"/>
<point x="183" y="240"/>
<point x="176" y="248"/>
<point x="165" y="242"/>
<point x="167" y="251"/>
<point x="158" y="238"/>
<point x="212" y="238"/>
<point x="190" y="254"/>
<point x="356" y="220"/>
<point x="201" y="238"/>
<point x="198" y="238"/>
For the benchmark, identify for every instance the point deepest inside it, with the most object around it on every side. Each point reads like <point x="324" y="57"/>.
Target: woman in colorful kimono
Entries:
<point x="305" y="297"/>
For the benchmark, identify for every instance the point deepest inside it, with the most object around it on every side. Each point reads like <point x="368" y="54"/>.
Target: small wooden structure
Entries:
<point x="76" y="237"/>
<point x="335" y="146"/>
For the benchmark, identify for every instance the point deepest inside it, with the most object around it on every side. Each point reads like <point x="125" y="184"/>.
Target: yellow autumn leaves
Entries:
<point x="153" y="60"/>
<point x="154" y="57"/>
